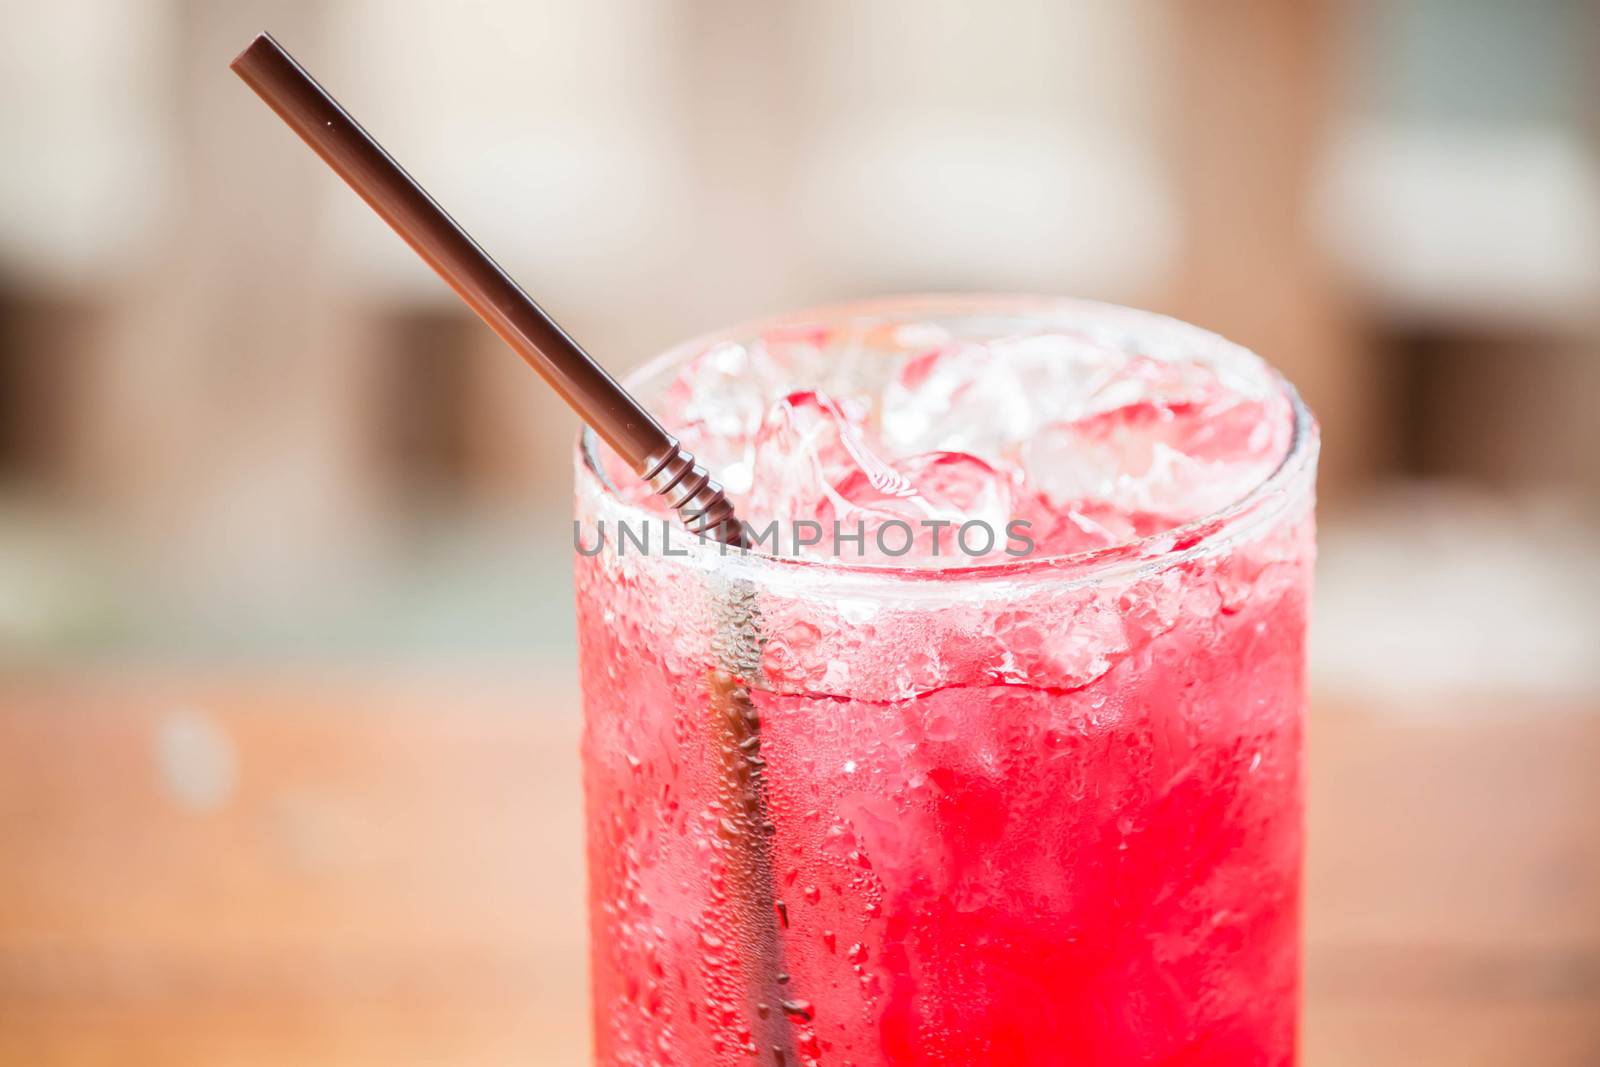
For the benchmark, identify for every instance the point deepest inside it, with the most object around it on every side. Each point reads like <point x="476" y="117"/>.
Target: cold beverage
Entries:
<point x="991" y="751"/>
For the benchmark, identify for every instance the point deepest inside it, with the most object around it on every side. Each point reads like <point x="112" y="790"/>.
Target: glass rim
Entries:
<point x="1203" y="536"/>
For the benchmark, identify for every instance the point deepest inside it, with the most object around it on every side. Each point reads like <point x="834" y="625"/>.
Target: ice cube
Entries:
<point x="807" y="443"/>
<point x="716" y="404"/>
<point x="814" y="460"/>
<point x="1145" y="379"/>
<point x="988" y="398"/>
<point x="936" y="495"/>
<point x="1180" y="455"/>
<point x="1071" y="526"/>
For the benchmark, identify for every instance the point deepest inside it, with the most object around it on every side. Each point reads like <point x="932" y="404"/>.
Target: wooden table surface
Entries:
<point x="295" y="868"/>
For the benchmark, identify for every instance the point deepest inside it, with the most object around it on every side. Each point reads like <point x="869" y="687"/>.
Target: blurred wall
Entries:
<point x="227" y="392"/>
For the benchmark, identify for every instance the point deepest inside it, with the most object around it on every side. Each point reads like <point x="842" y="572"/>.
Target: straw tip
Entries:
<point x="263" y="41"/>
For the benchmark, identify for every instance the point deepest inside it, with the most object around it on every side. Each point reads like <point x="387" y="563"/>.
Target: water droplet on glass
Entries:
<point x="798" y="1009"/>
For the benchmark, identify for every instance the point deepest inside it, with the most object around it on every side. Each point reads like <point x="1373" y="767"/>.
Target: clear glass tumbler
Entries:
<point x="1045" y="810"/>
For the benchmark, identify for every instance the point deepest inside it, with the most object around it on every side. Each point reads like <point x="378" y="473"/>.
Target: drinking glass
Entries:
<point x="1029" y="811"/>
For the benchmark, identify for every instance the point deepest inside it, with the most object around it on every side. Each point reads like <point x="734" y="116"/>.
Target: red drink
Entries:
<point x="1009" y="809"/>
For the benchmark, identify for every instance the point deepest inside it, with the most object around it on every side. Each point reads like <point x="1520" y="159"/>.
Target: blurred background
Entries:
<point x="288" y="706"/>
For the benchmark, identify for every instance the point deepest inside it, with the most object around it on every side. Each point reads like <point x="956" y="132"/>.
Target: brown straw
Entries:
<point x="638" y="438"/>
<point x="586" y="387"/>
